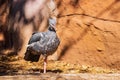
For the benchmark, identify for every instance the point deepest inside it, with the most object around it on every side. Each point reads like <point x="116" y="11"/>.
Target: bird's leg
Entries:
<point x="45" y="63"/>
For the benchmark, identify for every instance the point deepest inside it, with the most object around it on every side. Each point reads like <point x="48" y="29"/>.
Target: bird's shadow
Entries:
<point x="55" y="71"/>
<point x="31" y="72"/>
<point x="37" y="71"/>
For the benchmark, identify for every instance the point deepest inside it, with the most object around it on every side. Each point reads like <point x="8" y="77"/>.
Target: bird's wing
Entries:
<point x="35" y="37"/>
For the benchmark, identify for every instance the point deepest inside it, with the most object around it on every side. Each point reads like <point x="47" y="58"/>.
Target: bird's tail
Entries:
<point x="29" y="56"/>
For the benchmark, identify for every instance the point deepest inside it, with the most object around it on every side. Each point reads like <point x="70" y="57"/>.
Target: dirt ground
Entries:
<point x="52" y="76"/>
<point x="13" y="67"/>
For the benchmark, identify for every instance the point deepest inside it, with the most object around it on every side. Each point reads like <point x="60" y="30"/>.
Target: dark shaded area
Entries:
<point x="3" y="6"/>
<point x="5" y="67"/>
<point x="9" y="69"/>
<point x="3" y="17"/>
<point x="32" y="71"/>
<point x="12" y="36"/>
<point x="55" y="71"/>
<point x="29" y="56"/>
<point x="63" y="51"/>
<point x="74" y="2"/>
<point x="15" y="20"/>
<point x="59" y="3"/>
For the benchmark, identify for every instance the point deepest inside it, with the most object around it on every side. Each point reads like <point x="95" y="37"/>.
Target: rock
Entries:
<point x="89" y="27"/>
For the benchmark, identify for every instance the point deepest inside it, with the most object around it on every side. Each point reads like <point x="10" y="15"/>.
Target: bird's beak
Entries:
<point x="52" y="22"/>
<point x="54" y="26"/>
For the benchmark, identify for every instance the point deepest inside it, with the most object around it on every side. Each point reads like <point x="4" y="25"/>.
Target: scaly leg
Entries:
<point x="45" y="63"/>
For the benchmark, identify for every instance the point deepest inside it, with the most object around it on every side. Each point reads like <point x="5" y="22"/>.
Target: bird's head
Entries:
<point x="52" y="24"/>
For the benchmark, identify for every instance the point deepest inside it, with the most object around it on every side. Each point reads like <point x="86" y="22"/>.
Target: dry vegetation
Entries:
<point x="15" y="65"/>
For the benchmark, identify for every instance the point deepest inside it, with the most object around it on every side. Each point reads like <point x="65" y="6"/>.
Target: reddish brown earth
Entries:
<point x="90" y="32"/>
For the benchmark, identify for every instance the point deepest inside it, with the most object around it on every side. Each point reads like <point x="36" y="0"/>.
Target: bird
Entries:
<point x="43" y="43"/>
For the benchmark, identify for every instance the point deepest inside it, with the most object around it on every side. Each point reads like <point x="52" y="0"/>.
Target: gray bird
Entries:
<point x="44" y="43"/>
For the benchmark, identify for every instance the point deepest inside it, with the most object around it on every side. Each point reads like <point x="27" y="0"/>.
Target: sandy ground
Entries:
<point x="52" y="76"/>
